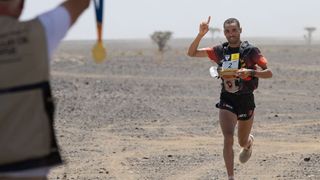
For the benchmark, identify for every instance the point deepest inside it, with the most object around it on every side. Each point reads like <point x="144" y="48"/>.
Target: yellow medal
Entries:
<point x="99" y="52"/>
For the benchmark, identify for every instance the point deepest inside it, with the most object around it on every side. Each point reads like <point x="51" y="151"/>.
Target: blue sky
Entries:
<point x="139" y="18"/>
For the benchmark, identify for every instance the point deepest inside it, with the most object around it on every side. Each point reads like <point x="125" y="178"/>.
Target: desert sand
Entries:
<point x="142" y="115"/>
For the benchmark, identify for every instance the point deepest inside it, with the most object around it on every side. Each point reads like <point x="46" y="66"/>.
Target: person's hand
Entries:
<point x="204" y="27"/>
<point x="243" y="73"/>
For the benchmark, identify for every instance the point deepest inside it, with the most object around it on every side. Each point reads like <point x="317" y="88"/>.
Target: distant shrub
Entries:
<point x="161" y="38"/>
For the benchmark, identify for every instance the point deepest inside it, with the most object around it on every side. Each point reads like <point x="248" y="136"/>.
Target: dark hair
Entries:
<point x="231" y="20"/>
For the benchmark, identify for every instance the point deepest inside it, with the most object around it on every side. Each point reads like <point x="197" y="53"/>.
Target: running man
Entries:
<point x="240" y="66"/>
<point x="28" y="149"/>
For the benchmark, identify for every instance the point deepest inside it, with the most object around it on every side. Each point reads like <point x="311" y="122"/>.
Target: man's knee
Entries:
<point x="228" y="139"/>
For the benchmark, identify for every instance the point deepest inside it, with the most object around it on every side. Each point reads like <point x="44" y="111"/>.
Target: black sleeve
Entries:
<point x="219" y="51"/>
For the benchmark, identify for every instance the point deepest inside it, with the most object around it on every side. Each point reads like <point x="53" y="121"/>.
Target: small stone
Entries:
<point x="307" y="159"/>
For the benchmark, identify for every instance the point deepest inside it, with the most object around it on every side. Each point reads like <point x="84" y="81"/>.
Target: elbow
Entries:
<point x="191" y="54"/>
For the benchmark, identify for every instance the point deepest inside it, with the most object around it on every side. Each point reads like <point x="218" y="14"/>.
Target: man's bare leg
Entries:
<point x="228" y="121"/>
<point x="244" y="130"/>
<point x="245" y="139"/>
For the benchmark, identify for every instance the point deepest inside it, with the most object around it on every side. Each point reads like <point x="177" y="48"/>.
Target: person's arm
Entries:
<point x="264" y="72"/>
<point x="56" y="24"/>
<point x="58" y="21"/>
<point x="75" y="8"/>
<point x="193" y="50"/>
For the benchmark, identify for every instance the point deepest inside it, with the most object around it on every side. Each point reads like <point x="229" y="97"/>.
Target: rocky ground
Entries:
<point x="142" y="115"/>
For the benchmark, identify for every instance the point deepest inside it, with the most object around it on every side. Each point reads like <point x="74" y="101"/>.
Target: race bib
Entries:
<point x="231" y="64"/>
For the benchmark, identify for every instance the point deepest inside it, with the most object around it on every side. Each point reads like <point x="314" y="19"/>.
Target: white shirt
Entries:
<point x="56" y="24"/>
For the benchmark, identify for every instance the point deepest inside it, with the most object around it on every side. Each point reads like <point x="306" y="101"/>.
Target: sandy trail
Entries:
<point x="135" y="117"/>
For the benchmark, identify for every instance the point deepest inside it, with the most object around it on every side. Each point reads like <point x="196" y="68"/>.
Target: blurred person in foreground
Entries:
<point x="28" y="148"/>
<point x="240" y="65"/>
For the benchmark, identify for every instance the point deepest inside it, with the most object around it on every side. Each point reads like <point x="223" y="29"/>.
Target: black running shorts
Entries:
<point x="240" y="104"/>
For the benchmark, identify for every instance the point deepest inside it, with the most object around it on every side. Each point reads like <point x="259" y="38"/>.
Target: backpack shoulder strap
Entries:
<point x="245" y="49"/>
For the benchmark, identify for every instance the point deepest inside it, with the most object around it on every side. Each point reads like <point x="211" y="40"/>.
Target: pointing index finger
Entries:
<point x="209" y="18"/>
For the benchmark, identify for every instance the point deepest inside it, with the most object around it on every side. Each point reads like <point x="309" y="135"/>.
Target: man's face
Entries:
<point x="232" y="33"/>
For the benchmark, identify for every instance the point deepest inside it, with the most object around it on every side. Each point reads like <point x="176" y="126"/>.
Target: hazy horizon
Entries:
<point x="140" y="18"/>
<point x="185" y="42"/>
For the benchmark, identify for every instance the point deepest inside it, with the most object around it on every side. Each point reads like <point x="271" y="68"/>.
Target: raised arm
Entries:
<point x="193" y="49"/>
<point x="75" y="8"/>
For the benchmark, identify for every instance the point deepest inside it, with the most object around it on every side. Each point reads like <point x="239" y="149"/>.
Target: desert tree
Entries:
<point x="161" y="38"/>
<point x="308" y="37"/>
<point x="213" y="31"/>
